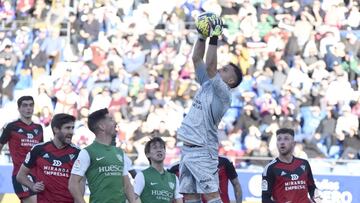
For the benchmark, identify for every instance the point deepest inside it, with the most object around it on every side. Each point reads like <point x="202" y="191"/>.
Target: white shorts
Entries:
<point x="198" y="171"/>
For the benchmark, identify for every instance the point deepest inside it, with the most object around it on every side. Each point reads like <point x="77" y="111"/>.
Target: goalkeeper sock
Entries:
<point x="213" y="40"/>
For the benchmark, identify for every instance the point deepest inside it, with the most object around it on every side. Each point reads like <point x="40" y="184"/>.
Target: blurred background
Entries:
<point x="300" y="61"/>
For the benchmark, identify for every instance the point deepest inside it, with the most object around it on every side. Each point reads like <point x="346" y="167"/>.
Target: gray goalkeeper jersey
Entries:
<point x="210" y="103"/>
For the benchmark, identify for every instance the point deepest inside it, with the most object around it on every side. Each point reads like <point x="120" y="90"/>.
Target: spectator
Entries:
<point x="52" y="46"/>
<point x="324" y="134"/>
<point x="36" y="61"/>
<point x="7" y="87"/>
<point x="8" y="58"/>
<point x="89" y="30"/>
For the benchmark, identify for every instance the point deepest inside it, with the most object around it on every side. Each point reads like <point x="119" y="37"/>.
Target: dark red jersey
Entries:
<point x="53" y="167"/>
<point x="287" y="182"/>
<point x="21" y="137"/>
<point x="226" y="172"/>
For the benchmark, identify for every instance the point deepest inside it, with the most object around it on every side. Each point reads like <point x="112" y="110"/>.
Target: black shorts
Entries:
<point x="21" y="190"/>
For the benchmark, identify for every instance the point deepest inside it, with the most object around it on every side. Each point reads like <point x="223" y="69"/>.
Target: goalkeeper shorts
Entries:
<point x="198" y="171"/>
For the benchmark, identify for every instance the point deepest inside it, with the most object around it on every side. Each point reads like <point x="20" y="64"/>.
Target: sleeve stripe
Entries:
<point x="267" y="166"/>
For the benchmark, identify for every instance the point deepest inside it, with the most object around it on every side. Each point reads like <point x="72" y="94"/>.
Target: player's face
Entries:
<point x="227" y="74"/>
<point x="285" y="144"/>
<point x="26" y="109"/>
<point x="66" y="132"/>
<point x="110" y="125"/>
<point x="157" y="152"/>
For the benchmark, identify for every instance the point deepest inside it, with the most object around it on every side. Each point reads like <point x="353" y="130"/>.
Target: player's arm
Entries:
<point x="30" y="162"/>
<point x="128" y="188"/>
<point x="311" y="183"/>
<point x="77" y="188"/>
<point x="198" y="53"/>
<point x="267" y="185"/>
<point x="76" y="184"/>
<point x="139" y="184"/>
<point x="233" y="177"/>
<point x="211" y="54"/>
<point x="237" y="189"/>
<point x="178" y="196"/>
<point x="211" y="57"/>
<point x="22" y="177"/>
<point x="199" y="64"/>
<point x="5" y="135"/>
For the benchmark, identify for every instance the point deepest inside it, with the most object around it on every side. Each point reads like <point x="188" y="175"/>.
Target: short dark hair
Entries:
<point x="95" y="117"/>
<point x="285" y="131"/>
<point x="153" y="141"/>
<point x="24" y="98"/>
<point x="60" y="119"/>
<point x="238" y="73"/>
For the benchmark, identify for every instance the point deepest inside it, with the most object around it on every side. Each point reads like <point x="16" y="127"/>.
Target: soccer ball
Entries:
<point x="203" y="23"/>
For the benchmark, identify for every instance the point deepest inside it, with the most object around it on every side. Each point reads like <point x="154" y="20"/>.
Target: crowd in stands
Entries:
<point x="300" y="61"/>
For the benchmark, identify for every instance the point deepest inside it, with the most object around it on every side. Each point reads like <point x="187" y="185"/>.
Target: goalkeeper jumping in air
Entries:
<point x="198" y="131"/>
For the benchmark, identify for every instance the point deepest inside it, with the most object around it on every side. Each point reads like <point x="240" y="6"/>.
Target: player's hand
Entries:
<point x="317" y="197"/>
<point x="203" y="25"/>
<point x="38" y="186"/>
<point x="216" y="27"/>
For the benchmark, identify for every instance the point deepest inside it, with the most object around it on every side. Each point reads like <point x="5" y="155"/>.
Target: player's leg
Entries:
<point x="187" y="180"/>
<point x="213" y="197"/>
<point x="31" y="199"/>
<point x="207" y="179"/>
<point x="204" y="172"/>
<point x="192" y="198"/>
<point x="24" y="193"/>
<point x="188" y="185"/>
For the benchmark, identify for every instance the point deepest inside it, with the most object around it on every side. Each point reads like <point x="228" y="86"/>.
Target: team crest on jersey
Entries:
<point x="119" y="157"/>
<point x="171" y="185"/>
<point x="71" y="156"/>
<point x="36" y="131"/>
<point x="303" y="167"/>
<point x="29" y="135"/>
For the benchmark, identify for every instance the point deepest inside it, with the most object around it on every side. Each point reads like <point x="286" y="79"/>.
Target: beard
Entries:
<point x="286" y="152"/>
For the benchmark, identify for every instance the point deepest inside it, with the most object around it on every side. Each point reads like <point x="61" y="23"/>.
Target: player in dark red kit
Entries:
<point x="287" y="179"/>
<point x="52" y="162"/>
<point x="226" y="172"/>
<point x="22" y="135"/>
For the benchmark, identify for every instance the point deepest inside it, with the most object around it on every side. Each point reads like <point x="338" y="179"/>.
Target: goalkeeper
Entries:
<point x="198" y="131"/>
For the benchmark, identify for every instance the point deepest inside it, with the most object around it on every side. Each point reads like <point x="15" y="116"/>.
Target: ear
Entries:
<point x="56" y="130"/>
<point x="101" y="126"/>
